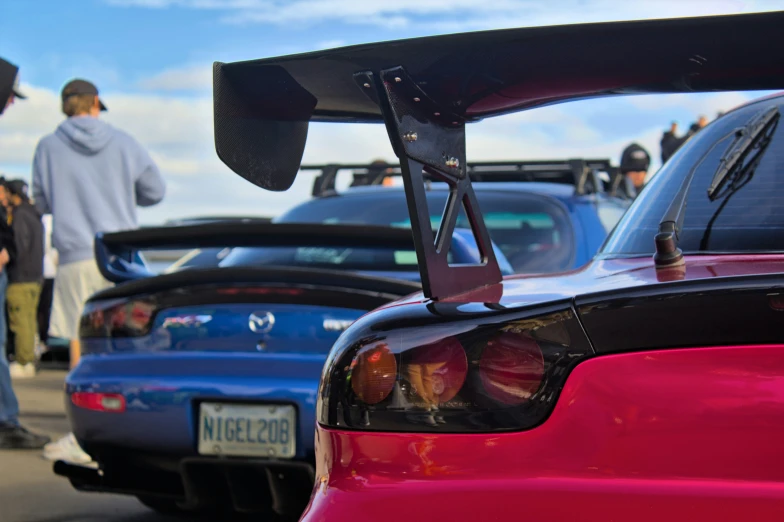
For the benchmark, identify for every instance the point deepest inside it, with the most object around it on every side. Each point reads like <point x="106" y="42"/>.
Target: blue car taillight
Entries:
<point x="117" y="318"/>
<point x="475" y="372"/>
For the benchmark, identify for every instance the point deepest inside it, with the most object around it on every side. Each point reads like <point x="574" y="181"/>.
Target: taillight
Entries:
<point x="117" y="318"/>
<point x="374" y="373"/>
<point x="511" y="368"/>
<point x="498" y="370"/>
<point x="106" y="402"/>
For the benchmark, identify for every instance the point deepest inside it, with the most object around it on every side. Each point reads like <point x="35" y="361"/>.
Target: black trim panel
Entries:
<point x="714" y="312"/>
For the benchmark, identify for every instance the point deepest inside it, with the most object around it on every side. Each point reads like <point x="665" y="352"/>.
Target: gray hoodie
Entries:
<point x="91" y="177"/>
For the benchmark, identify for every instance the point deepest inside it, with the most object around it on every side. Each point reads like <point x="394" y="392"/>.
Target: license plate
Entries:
<point x="247" y="430"/>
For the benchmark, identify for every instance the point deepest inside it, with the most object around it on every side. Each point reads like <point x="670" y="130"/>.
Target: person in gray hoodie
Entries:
<point x="91" y="177"/>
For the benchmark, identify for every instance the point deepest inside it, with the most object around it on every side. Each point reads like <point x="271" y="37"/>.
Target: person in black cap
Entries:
<point x="635" y="162"/>
<point x="25" y="275"/>
<point x="12" y="434"/>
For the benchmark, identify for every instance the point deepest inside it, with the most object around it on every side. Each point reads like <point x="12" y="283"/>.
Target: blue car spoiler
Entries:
<point x="117" y="252"/>
<point x="425" y="90"/>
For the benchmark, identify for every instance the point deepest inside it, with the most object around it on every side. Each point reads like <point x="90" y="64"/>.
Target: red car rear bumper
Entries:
<point x="689" y="434"/>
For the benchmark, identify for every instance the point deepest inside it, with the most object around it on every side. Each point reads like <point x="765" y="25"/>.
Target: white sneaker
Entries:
<point x="21" y="371"/>
<point x="67" y="449"/>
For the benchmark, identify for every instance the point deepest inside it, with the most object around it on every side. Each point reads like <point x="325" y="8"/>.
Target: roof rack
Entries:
<point x="584" y="174"/>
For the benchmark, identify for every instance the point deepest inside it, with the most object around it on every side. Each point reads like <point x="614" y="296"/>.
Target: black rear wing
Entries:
<point x="425" y="90"/>
<point x="117" y="252"/>
<point x="588" y="176"/>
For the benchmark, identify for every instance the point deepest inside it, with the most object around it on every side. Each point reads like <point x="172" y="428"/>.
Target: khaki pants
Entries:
<point x="22" y="301"/>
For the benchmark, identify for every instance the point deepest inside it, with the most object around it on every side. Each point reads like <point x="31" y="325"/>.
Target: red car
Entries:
<point x="646" y="386"/>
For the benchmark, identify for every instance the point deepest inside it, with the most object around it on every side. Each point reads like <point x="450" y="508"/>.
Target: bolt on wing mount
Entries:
<point x="429" y="138"/>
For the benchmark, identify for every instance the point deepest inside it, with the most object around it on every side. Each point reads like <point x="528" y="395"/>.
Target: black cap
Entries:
<point x="635" y="159"/>
<point x="15" y="89"/>
<point x="76" y="87"/>
<point x="17" y="187"/>
<point x="9" y="83"/>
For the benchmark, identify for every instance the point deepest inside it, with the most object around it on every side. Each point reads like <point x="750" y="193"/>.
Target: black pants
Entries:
<point x="45" y="309"/>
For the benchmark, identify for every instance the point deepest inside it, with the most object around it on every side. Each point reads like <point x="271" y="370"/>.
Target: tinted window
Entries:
<point x="533" y="232"/>
<point x="750" y="220"/>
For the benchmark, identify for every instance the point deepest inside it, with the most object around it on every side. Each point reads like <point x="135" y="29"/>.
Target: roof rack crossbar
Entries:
<point x="584" y="173"/>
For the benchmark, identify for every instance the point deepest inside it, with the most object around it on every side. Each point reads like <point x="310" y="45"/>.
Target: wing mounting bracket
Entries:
<point x="426" y="136"/>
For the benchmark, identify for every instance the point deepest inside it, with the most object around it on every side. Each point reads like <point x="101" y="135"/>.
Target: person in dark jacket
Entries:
<point x="12" y="434"/>
<point x="25" y="276"/>
<point x="635" y="162"/>
<point x="670" y="142"/>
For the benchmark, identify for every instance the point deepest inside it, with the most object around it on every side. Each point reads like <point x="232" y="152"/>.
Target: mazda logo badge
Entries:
<point x="261" y="322"/>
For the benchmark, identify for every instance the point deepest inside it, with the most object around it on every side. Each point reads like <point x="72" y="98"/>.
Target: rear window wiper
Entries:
<point x="746" y="139"/>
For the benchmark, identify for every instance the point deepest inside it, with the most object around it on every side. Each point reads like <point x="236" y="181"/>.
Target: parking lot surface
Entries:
<point x="31" y="492"/>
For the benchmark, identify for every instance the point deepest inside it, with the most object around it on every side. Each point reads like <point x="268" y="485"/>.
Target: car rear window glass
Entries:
<point x="533" y="232"/>
<point x="750" y="220"/>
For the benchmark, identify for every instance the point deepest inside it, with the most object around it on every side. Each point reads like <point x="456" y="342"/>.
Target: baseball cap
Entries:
<point x="634" y="159"/>
<point x="15" y="89"/>
<point x="79" y="86"/>
<point x="17" y="187"/>
<point x="9" y="82"/>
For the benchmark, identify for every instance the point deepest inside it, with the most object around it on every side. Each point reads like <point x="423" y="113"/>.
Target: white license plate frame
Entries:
<point x="246" y="430"/>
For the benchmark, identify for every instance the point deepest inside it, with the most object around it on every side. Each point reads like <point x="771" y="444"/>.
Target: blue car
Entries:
<point x="197" y="389"/>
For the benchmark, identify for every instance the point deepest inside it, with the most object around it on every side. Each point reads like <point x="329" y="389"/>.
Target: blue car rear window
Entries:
<point x="533" y="232"/>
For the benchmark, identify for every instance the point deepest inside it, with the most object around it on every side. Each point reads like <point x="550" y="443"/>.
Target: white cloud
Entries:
<point x="453" y="15"/>
<point x="188" y="78"/>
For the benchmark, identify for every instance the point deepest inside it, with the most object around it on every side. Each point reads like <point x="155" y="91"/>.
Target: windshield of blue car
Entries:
<point x="748" y="219"/>
<point x="533" y="232"/>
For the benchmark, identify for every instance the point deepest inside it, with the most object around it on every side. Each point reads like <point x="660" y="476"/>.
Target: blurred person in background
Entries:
<point x="670" y="142"/>
<point x="25" y="275"/>
<point x="634" y="165"/>
<point x="12" y="434"/>
<point x="91" y="177"/>
<point x="50" y="269"/>
<point x="696" y="127"/>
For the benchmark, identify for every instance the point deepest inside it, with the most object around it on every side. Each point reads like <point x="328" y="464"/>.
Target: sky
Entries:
<point x="151" y="60"/>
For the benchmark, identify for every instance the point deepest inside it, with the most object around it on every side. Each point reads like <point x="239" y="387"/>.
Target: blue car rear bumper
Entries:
<point x="162" y="392"/>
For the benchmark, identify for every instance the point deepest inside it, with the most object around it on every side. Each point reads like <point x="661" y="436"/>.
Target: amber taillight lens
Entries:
<point x="373" y="373"/>
<point x="463" y="376"/>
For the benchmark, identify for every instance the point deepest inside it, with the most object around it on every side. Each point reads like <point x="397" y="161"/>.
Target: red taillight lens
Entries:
<point x="373" y="374"/>
<point x="437" y="371"/>
<point x="451" y="369"/>
<point x="511" y="368"/>
<point x="106" y="402"/>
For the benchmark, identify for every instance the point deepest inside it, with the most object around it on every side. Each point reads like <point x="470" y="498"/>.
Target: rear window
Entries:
<point x="533" y="233"/>
<point x="751" y="219"/>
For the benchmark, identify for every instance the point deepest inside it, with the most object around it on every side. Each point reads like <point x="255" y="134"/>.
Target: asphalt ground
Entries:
<point x="31" y="492"/>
